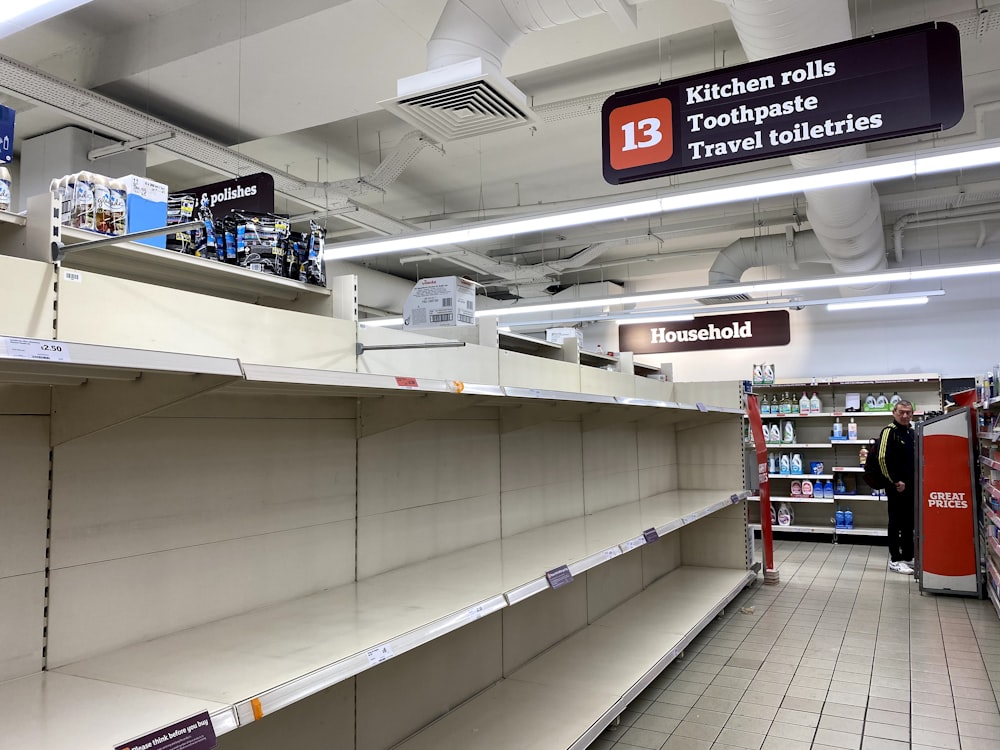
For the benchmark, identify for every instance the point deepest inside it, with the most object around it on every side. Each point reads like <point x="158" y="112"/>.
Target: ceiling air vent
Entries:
<point x="731" y="299"/>
<point x="460" y="101"/>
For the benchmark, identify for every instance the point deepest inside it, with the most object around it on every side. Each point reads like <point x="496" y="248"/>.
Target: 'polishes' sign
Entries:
<point x="871" y="88"/>
<point x="254" y="193"/>
<point x="733" y="331"/>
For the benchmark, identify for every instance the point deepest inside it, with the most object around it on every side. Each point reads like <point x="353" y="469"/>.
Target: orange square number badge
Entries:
<point x="641" y="134"/>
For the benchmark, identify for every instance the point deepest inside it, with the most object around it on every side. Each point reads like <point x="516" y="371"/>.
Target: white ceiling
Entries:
<point x="296" y="85"/>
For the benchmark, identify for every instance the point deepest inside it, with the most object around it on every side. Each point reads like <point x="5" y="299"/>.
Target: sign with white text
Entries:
<point x="948" y="558"/>
<point x="253" y="193"/>
<point x="195" y="733"/>
<point x="707" y="332"/>
<point x="872" y="88"/>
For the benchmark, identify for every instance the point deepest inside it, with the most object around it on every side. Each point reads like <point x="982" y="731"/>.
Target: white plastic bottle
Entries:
<point x="83" y="202"/>
<point x="788" y="431"/>
<point x="838" y="429"/>
<point x="852" y="430"/>
<point x="815" y="405"/>
<point x="784" y="464"/>
<point x="5" y="192"/>
<point x="796" y="463"/>
<point x="66" y="188"/>
<point x="804" y="404"/>
<point x="784" y="515"/>
<point x="881" y="402"/>
<point x="118" y="207"/>
<point x="895" y="399"/>
<point x="102" y="204"/>
<point x="768" y="374"/>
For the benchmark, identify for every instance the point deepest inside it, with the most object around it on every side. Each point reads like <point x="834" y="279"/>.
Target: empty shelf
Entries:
<point x="566" y="696"/>
<point x="266" y="659"/>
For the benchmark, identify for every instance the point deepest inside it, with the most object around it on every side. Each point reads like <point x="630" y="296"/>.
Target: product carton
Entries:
<point x="146" y="207"/>
<point x="558" y="335"/>
<point x="441" y="301"/>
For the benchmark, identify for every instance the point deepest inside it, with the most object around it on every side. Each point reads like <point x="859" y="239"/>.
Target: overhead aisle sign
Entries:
<point x="948" y="557"/>
<point x="898" y="83"/>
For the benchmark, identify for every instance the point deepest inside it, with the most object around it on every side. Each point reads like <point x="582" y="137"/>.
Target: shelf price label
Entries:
<point x="631" y="544"/>
<point x="407" y="382"/>
<point x="37" y="349"/>
<point x="559" y="576"/>
<point x="612" y="553"/>
<point x="380" y="654"/>
<point x="650" y="535"/>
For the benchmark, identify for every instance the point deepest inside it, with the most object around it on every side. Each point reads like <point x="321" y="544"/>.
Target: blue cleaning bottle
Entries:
<point x="848" y="519"/>
<point x="839" y="516"/>
<point x="828" y="490"/>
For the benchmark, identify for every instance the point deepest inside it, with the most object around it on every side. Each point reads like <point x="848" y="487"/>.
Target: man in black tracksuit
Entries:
<point x="897" y="463"/>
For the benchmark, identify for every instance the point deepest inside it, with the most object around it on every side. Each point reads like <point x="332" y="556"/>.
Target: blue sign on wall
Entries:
<point x="6" y="134"/>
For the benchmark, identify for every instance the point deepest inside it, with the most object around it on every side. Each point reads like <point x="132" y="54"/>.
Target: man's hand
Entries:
<point x="900" y="486"/>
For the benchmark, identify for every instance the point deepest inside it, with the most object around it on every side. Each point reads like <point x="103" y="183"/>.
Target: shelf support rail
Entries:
<point x="60" y="251"/>
<point x="362" y="348"/>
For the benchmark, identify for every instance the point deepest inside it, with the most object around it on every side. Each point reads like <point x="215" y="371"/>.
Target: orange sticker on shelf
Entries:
<point x="258" y="712"/>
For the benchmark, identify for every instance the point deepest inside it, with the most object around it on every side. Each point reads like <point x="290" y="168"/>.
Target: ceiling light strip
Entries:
<point x="867" y="171"/>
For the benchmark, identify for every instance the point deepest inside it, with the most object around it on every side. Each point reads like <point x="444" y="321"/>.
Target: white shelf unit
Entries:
<point x="814" y="442"/>
<point x="195" y="532"/>
<point x="828" y="529"/>
<point x="989" y="460"/>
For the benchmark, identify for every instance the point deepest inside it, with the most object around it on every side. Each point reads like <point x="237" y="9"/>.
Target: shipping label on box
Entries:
<point x="440" y="301"/>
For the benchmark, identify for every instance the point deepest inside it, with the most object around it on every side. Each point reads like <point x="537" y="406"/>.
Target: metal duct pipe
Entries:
<point x="961" y="213"/>
<point x="847" y="220"/>
<point x="487" y="28"/>
<point x="772" y="250"/>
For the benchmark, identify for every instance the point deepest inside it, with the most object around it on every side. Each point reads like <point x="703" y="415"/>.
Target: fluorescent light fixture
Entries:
<point x="860" y="172"/>
<point x="876" y="303"/>
<point x="17" y="15"/>
<point x="123" y="146"/>
<point x="771" y="287"/>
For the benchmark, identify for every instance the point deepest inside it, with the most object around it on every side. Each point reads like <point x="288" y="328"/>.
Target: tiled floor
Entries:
<point x="841" y="654"/>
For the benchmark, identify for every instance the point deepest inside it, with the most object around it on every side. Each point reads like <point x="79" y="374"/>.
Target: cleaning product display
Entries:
<point x="807" y="488"/>
<point x="848" y="519"/>
<point x="5" y="189"/>
<point x="264" y="243"/>
<point x="804" y="404"/>
<point x="839" y="518"/>
<point x="796" y="463"/>
<point x="786" y="516"/>
<point x="788" y="431"/>
<point x="785" y="464"/>
<point x="796" y="488"/>
<point x="852" y="430"/>
<point x="92" y="202"/>
<point x="838" y="430"/>
<point x="828" y="489"/>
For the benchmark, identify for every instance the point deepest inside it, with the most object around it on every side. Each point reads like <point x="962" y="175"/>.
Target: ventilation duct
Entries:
<point x="847" y="220"/>
<point x="786" y="250"/>
<point x="463" y="93"/>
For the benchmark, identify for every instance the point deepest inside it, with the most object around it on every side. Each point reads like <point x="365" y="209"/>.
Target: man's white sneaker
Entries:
<point x="898" y="566"/>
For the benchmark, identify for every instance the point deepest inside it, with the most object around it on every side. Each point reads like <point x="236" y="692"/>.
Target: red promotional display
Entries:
<point x="760" y="446"/>
<point x="949" y="554"/>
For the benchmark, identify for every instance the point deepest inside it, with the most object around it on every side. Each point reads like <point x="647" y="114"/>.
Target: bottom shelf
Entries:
<point x="565" y="697"/>
<point x="856" y="531"/>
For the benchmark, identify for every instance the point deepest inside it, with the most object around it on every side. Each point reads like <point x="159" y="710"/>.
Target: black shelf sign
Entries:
<point x="872" y="88"/>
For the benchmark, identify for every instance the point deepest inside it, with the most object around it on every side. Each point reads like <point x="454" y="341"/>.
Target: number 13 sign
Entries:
<point x="639" y="137"/>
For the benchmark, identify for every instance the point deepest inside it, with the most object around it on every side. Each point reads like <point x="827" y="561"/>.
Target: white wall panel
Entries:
<point x="22" y="617"/>
<point x="25" y="399"/>
<point x="391" y="540"/>
<point x="610" y="466"/>
<point x="321" y="721"/>
<point x="710" y="540"/>
<point x="426" y="462"/>
<point x="469" y="364"/>
<point x="101" y="606"/>
<point x="611" y="584"/>
<point x="24" y="499"/>
<point x="596" y="380"/>
<point x="657" y="390"/>
<point x="660" y="557"/>
<point x="536" y="623"/>
<point x="27" y="299"/>
<point x="404" y="694"/>
<point x="657" y="457"/>
<point x="159" y="484"/>
<point x="526" y="371"/>
<point x="710" y="456"/>
<point x="115" y="312"/>
<point x="541" y="476"/>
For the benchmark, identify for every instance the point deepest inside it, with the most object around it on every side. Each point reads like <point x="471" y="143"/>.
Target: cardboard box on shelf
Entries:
<point x="558" y="335"/>
<point x="440" y="301"/>
<point x="146" y="207"/>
